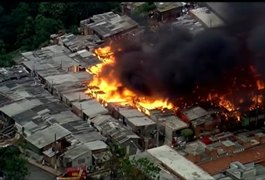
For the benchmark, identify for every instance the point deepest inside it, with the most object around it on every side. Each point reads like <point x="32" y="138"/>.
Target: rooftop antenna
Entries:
<point x="157" y="130"/>
<point x="81" y="109"/>
<point x="35" y="81"/>
<point x="61" y="64"/>
<point x="46" y="68"/>
<point x="33" y="69"/>
<point x="210" y="22"/>
<point x="55" y="149"/>
<point x="51" y="87"/>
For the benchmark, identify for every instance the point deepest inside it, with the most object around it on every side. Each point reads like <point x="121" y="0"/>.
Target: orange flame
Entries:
<point x="108" y="89"/>
<point x="222" y="101"/>
<point x="113" y="90"/>
<point x="260" y="84"/>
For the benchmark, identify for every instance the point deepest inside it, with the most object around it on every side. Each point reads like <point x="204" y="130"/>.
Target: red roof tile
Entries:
<point x="256" y="154"/>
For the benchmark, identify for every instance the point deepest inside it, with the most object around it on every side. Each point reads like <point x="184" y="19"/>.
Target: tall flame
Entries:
<point x="113" y="91"/>
<point x="108" y="89"/>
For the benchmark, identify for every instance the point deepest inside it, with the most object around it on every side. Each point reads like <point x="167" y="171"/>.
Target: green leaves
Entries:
<point x="12" y="164"/>
<point x="52" y="10"/>
<point x="2" y="47"/>
<point x="5" y="59"/>
<point x="139" y="169"/>
<point x="27" y="26"/>
<point x="1" y="10"/>
<point x="187" y="133"/>
<point x="146" y="7"/>
<point x="131" y="169"/>
<point x="73" y="29"/>
<point x="25" y="39"/>
<point x="149" y="7"/>
<point x="44" y="27"/>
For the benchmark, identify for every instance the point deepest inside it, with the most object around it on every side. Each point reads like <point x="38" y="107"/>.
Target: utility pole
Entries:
<point x="51" y="87"/>
<point x="157" y="131"/>
<point x="55" y="149"/>
<point x="61" y="64"/>
<point x="33" y="69"/>
<point x="81" y="111"/>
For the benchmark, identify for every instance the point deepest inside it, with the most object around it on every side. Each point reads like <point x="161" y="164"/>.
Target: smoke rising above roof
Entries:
<point x="172" y="62"/>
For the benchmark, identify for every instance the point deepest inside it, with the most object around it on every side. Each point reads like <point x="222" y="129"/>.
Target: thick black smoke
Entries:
<point x="256" y="43"/>
<point x="173" y="62"/>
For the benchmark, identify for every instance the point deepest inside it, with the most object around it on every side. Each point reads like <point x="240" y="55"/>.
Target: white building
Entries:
<point x="206" y="17"/>
<point x="177" y="164"/>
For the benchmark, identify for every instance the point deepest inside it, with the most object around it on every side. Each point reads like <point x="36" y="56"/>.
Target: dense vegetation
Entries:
<point x="12" y="164"/>
<point x="27" y="26"/>
<point x="146" y="7"/>
<point x="123" y="167"/>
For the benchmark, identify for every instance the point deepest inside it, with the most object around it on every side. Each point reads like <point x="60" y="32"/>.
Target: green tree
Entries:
<point x="25" y="38"/>
<point x="12" y="24"/>
<point x="20" y="13"/>
<point x="26" y="26"/>
<point x="73" y="29"/>
<point x="1" y="10"/>
<point x="77" y="11"/>
<point x="142" y="169"/>
<point x="2" y="47"/>
<point x="118" y="153"/>
<point x="130" y="169"/>
<point x="187" y="133"/>
<point x="12" y="164"/>
<point x="147" y="7"/>
<point x="53" y="10"/>
<point x="6" y="60"/>
<point x="44" y="27"/>
<point x="19" y="16"/>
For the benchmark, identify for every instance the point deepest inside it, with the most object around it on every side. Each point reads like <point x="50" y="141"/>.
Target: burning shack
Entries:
<point x="134" y="75"/>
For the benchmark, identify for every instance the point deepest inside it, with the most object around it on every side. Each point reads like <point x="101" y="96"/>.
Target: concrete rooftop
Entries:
<point x="207" y="18"/>
<point x="178" y="164"/>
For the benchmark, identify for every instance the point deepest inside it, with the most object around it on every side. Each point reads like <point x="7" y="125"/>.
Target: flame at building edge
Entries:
<point x="105" y="89"/>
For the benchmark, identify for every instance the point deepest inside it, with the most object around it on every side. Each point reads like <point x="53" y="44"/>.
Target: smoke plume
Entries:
<point x="172" y="62"/>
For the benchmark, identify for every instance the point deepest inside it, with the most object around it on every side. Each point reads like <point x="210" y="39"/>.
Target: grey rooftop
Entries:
<point x="47" y="136"/>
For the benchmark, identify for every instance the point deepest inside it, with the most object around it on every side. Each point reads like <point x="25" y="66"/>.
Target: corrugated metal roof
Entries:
<point x="96" y="145"/>
<point x="47" y="136"/>
<point x="108" y="24"/>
